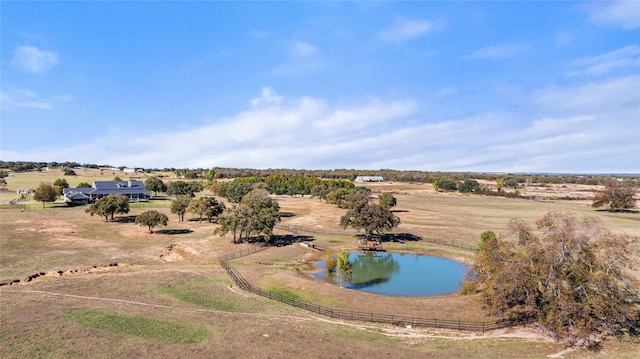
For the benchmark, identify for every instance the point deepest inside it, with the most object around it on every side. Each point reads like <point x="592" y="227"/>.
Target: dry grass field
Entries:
<point x="179" y="303"/>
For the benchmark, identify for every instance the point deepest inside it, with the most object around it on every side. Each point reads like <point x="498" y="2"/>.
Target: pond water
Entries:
<point x="402" y="274"/>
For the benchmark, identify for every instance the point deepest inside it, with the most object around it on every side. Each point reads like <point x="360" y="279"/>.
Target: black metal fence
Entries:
<point x="350" y="314"/>
<point x="450" y="243"/>
<point x="295" y="229"/>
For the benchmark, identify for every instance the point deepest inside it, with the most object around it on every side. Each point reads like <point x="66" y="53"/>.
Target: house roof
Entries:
<point x="109" y="187"/>
<point x="70" y="191"/>
<point x="116" y="185"/>
<point x="75" y="195"/>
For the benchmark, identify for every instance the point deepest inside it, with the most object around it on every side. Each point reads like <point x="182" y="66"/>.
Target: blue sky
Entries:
<point x="500" y="86"/>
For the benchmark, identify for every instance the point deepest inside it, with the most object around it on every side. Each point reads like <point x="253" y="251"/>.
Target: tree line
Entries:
<point x="344" y="174"/>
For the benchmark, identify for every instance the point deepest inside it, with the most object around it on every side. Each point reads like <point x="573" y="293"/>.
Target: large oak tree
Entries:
<point x="372" y="218"/>
<point x="179" y="205"/>
<point x="155" y="184"/>
<point x="571" y="276"/>
<point x="152" y="219"/>
<point x="257" y="213"/>
<point x="109" y="205"/>
<point x="616" y="196"/>
<point x="45" y="193"/>
<point x="207" y="207"/>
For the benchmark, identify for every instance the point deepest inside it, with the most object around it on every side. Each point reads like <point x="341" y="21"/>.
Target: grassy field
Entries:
<point x="26" y="180"/>
<point x="178" y="302"/>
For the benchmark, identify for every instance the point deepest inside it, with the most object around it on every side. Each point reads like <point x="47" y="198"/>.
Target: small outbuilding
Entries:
<point x="369" y="179"/>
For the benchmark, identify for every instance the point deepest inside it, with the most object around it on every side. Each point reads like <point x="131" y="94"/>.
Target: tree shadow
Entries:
<point x="287" y="214"/>
<point x="204" y="220"/>
<point x="280" y="240"/>
<point x="392" y="237"/>
<point x="634" y="211"/>
<point x="399" y="211"/>
<point x="288" y="239"/>
<point x="173" y="231"/>
<point x="124" y="219"/>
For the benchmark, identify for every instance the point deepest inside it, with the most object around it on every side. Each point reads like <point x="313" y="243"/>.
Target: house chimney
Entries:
<point x="130" y="183"/>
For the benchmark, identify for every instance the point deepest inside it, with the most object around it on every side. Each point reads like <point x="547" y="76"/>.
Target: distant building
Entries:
<point x="133" y="189"/>
<point x="369" y="179"/>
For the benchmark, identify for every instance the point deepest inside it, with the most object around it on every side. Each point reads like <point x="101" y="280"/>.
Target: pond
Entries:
<point x="402" y="274"/>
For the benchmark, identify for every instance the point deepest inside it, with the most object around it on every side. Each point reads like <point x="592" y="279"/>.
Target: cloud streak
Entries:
<point x="302" y="59"/>
<point x="625" y="57"/>
<point x="402" y="30"/>
<point x="33" y="60"/>
<point x="497" y="52"/>
<point x="622" y="13"/>
<point x="29" y="99"/>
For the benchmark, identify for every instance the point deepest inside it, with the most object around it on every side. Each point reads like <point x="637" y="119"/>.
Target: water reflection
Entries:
<point x="372" y="268"/>
<point x="397" y="274"/>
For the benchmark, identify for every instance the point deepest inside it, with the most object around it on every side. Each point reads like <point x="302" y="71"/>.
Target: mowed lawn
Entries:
<point x="183" y="290"/>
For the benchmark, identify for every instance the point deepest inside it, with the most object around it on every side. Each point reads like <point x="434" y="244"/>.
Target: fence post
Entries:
<point x="482" y="327"/>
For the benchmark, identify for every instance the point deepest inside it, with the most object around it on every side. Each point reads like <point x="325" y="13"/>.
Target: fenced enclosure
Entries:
<point x="399" y="320"/>
<point x="296" y="229"/>
<point x="29" y="207"/>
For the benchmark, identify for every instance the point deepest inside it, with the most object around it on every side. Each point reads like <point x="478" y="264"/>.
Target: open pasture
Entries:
<point x="156" y="286"/>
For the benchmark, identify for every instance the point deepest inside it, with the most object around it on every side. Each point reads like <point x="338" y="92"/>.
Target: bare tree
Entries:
<point x="616" y="195"/>
<point x="573" y="277"/>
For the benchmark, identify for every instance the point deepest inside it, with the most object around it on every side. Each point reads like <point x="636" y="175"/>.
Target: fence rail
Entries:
<point x="295" y="229"/>
<point x="354" y="315"/>
<point x="28" y="207"/>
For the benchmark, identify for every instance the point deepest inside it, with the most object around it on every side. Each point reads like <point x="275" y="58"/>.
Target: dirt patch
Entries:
<point x="176" y="252"/>
<point x="69" y="272"/>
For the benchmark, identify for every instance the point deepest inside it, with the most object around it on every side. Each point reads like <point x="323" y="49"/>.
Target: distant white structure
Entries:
<point x="369" y="179"/>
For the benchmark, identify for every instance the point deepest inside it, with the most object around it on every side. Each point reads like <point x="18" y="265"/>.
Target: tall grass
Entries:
<point x="200" y="299"/>
<point x="151" y="328"/>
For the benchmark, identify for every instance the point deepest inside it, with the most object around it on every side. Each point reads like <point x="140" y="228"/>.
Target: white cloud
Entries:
<point x="591" y="127"/>
<point x="497" y="52"/>
<point x="29" y="99"/>
<point x="402" y="29"/>
<point x="33" y="60"/>
<point x="620" y="13"/>
<point x="259" y="34"/>
<point x="268" y="96"/>
<point x="302" y="59"/>
<point x="628" y="56"/>
<point x="303" y="49"/>
<point x="616" y="97"/>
